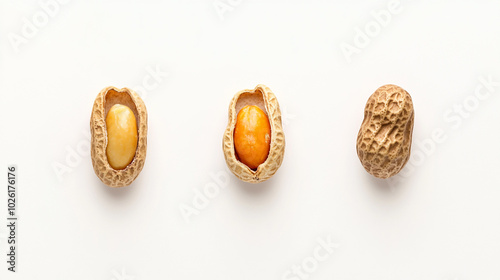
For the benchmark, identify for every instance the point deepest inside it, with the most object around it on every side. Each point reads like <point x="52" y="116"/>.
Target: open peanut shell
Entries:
<point x="99" y="138"/>
<point x="264" y="98"/>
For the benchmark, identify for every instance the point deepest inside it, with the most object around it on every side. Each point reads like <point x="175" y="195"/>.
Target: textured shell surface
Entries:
<point x="265" y="99"/>
<point x="103" y="102"/>
<point x="384" y="140"/>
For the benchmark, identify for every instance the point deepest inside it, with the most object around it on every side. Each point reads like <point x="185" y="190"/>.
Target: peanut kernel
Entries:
<point x="122" y="136"/>
<point x="252" y="136"/>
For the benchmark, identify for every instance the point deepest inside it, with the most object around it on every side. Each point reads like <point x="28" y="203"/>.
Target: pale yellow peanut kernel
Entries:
<point x="122" y="136"/>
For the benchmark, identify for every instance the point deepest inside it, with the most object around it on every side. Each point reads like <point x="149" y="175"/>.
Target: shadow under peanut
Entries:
<point x="381" y="185"/>
<point x="250" y="189"/>
<point x="117" y="193"/>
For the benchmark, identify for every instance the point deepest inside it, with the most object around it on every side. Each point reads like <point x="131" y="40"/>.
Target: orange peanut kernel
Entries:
<point x="252" y="136"/>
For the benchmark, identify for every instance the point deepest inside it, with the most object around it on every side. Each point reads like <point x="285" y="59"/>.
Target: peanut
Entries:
<point x="254" y="141"/>
<point x="122" y="136"/>
<point x="119" y="130"/>
<point x="252" y="136"/>
<point x="384" y="139"/>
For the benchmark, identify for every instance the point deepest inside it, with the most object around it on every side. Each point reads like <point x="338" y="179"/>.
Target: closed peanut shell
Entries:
<point x="99" y="138"/>
<point x="384" y="139"/>
<point x="264" y="98"/>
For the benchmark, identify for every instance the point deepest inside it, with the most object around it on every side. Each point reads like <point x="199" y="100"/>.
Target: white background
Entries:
<point x="440" y="221"/>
